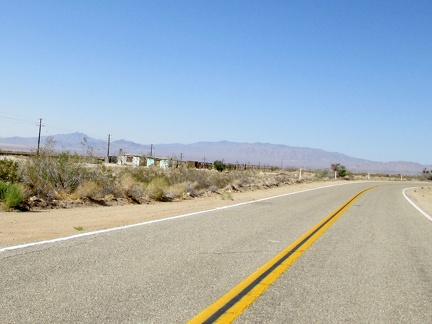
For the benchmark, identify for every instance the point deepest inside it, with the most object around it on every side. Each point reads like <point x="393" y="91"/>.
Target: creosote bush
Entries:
<point x="50" y="175"/>
<point x="47" y="173"/>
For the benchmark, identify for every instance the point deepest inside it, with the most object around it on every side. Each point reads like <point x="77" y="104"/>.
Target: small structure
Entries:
<point x="128" y="159"/>
<point x="140" y="160"/>
<point x="164" y="163"/>
<point x="150" y="161"/>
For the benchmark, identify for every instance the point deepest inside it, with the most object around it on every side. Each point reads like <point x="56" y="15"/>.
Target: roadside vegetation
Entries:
<point x="64" y="180"/>
<point x="11" y="195"/>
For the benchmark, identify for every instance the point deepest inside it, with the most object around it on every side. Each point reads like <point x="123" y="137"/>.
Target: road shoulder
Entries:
<point x="25" y="227"/>
<point x="422" y="198"/>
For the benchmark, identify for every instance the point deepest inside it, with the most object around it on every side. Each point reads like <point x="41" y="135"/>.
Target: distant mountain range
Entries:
<point x="230" y="152"/>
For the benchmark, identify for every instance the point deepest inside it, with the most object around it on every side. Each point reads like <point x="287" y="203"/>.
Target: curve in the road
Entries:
<point x="232" y="304"/>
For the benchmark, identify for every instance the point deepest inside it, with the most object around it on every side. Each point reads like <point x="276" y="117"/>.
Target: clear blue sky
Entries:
<point x="348" y="76"/>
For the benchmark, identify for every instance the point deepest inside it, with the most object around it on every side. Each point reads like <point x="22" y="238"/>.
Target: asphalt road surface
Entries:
<point x="373" y="265"/>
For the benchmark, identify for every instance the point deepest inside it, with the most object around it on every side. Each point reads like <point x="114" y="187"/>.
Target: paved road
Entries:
<point x="374" y="264"/>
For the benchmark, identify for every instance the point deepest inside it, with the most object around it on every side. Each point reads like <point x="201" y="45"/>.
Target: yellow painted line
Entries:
<point x="235" y="302"/>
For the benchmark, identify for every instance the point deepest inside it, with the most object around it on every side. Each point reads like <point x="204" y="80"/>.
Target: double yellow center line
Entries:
<point x="235" y="302"/>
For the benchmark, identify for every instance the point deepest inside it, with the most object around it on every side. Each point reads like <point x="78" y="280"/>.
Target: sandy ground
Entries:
<point x="24" y="227"/>
<point x="422" y="197"/>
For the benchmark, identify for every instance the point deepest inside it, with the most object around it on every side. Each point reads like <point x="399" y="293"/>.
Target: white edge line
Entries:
<point x="415" y="206"/>
<point x="66" y="238"/>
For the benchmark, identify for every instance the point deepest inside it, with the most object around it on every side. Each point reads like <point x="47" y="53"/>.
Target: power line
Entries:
<point x="17" y="119"/>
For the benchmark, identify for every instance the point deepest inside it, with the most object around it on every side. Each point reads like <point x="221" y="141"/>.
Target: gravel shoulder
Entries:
<point x="24" y="227"/>
<point x="422" y="197"/>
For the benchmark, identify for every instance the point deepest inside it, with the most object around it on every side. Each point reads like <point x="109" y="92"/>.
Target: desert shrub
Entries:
<point x="245" y="178"/>
<point x="130" y="188"/>
<point x="14" y="195"/>
<point x="269" y="181"/>
<point x="198" y="180"/>
<point x="146" y="175"/>
<point x="342" y="171"/>
<point x="9" y="170"/>
<point x="321" y="174"/>
<point x="156" y="189"/>
<point x="61" y="195"/>
<point x="46" y="173"/>
<point x="3" y="188"/>
<point x="107" y="180"/>
<point x="242" y="179"/>
<point x="226" y="196"/>
<point x="349" y="175"/>
<point x="282" y="178"/>
<point x="219" y="180"/>
<point x="176" y="191"/>
<point x="49" y="173"/>
<point x="11" y="195"/>
<point x="213" y="189"/>
<point x="219" y="165"/>
<point x="177" y="175"/>
<point x="89" y="189"/>
<point x="126" y="183"/>
<point x="199" y="177"/>
<point x="193" y="190"/>
<point x="137" y="192"/>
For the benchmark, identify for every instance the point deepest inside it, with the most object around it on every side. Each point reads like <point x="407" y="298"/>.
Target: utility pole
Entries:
<point x="151" y="149"/>
<point x="109" y="141"/>
<point x="181" y="156"/>
<point x="40" y="127"/>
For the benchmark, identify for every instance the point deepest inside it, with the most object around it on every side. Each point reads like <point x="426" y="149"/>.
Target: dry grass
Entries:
<point x="89" y="189"/>
<point x="156" y="189"/>
<point x="176" y="191"/>
<point x="226" y="196"/>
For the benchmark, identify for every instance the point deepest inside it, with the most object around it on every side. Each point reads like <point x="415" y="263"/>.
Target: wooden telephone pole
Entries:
<point x="108" y="150"/>
<point x="39" y="137"/>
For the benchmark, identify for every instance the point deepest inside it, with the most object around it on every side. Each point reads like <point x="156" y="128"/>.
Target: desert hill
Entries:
<point x="230" y="152"/>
